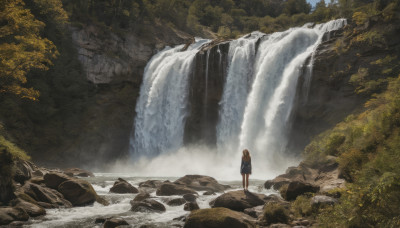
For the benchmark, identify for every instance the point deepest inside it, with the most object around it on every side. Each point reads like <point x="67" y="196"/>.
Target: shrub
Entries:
<point x="275" y="213"/>
<point x="301" y="206"/>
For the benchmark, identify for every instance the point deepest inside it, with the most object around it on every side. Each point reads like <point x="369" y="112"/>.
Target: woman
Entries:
<point x="245" y="168"/>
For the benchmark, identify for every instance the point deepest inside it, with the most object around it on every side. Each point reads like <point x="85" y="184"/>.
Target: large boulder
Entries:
<point x="189" y="197"/>
<point x="239" y="200"/>
<point x="217" y="218"/>
<point x="141" y="196"/>
<point x="254" y="212"/>
<point x="33" y="210"/>
<point x="147" y="205"/>
<point x="114" y="222"/>
<point x="176" y="202"/>
<point x="122" y="186"/>
<point x="77" y="172"/>
<point x="169" y="189"/>
<point x="54" y="179"/>
<point x="150" y="184"/>
<point x="50" y="197"/>
<point x="190" y="206"/>
<point x="322" y="201"/>
<point x="201" y="183"/>
<point x="296" y="188"/>
<point x="23" y="171"/>
<point x="10" y="214"/>
<point x="78" y="192"/>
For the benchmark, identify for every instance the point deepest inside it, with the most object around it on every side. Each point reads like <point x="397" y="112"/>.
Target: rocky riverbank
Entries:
<point x="304" y="190"/>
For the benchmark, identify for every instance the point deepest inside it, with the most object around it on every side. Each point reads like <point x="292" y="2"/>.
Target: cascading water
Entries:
<point x="255" y="106"/>
<point x="161" y="108"/>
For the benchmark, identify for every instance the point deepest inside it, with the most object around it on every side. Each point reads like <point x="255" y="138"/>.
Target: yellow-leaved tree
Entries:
<point x="21" y="48"/>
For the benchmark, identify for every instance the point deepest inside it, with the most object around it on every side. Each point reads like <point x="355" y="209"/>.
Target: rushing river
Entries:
<point x="120" y="206"/>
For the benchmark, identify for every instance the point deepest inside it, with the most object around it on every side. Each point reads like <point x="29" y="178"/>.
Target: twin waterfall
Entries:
<point x="254" y="108"/>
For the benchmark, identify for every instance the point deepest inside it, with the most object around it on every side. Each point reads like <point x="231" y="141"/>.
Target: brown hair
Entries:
<point x="246" y="155"/>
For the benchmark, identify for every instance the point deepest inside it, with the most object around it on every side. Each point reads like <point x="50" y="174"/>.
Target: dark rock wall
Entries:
<point x="204" y="108"/>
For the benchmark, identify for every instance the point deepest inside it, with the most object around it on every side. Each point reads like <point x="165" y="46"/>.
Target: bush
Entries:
<point x="275" y="213"/>
<point x="301" y="206"/>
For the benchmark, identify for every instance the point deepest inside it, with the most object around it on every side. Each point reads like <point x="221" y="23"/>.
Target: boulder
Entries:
<point x="176" y="202"/>
<point x="53" y="179"/>
<point x="201" y="183"/>
<point x="169" y="189"/>
<point x="23" y="171"/>
<point x="122" y="186"/>
<point x="33" y="210"/>
<point x="150" y="184"/>
<point x="114" y="222"/>
<point x="208" y="193"/>
<point x="190" y="206"/>
<point x="77" y="172"/>
<point x="141" y="196"/>
<point x="322" y="201"/>
<point x="147" y="205"/>
<point x="78" y="192"/>
<point x="239" y="200"/>
<point x="190" y="197"/>
<point x="254" y="212"/>
<point x="296" y="188"/>
<point x="51" y="197"/>
<point x="10" y="214"/>
<point x="217" y="218"/>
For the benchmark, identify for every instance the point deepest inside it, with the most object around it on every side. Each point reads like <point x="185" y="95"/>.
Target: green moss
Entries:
<point x="301" y="207"/>
<point x="15" y="151"/>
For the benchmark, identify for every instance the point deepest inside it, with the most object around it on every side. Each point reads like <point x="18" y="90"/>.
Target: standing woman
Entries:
<point x="245" y="168"/>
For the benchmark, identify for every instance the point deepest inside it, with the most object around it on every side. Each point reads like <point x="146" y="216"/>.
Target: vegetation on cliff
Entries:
<point x="367" y="144"/>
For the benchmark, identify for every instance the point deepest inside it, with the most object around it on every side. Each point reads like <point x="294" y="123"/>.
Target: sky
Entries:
<point x="313" y="2"/>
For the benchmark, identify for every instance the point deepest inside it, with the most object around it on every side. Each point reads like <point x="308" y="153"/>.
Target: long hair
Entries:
<point x="246" y="155"/>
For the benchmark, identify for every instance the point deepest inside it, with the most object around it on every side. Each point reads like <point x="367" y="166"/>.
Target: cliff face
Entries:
<point x="332" y="96"/>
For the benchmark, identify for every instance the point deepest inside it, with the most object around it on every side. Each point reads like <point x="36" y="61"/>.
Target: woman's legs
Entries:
<point x="247" y="181"/>
<point x="243" y="181"/>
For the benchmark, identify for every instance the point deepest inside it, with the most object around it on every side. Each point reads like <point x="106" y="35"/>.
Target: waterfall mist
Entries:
<point x="254" y="110"/>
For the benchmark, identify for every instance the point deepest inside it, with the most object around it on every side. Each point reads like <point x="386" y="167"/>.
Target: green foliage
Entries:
<point x="301" y="207"/>
<point x="275" y="213"/>
<point x="368" y="158"/>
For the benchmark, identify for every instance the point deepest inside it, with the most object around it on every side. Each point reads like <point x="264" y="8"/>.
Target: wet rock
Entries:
<point x="296" y="188"/>
<point x="190" y="206"/>
<point x="321" y="201"/>
<point x="78" y="192"/>
<point x="201" y="183"/>
<point x="218" y="217"/>
<point x="33" y="210"/>
<point x="53" y="179"/>
<point x="122" y="186"/>
<point x="279" y="225"/>
<point x="190" y="197"/>
<point x="208" y="193"/>
<point x="150" y="184"/>
<point x="141" y="196"/>
<point x="77" y="172"/>
<point x="176" y="202"/>
<point x="50" y="197"/>
<point x="169" y="189"/>
<point x="10" y="214"/>
<point x="239" y="200"/>
<point x="37" y="180"/>
<point x="23" y="171"/>
<point x="147" y="205"/>
<point x="181" y="218"/>
<point x="254" y="212"/>
<point x="114" y="222"/>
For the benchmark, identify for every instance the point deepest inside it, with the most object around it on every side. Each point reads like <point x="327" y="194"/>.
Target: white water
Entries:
<point x="255" y="107"/>
<point x="161" y="108"/>
<point x="120" y="206"/>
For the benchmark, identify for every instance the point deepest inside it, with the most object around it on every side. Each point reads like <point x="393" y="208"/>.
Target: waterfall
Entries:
<point x="254" y="108"/>
<point x="161" y="108"/>
<point x="265" y="119"/>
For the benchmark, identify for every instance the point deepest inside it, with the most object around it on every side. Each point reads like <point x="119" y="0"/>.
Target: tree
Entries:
<point x="21" y="48"/>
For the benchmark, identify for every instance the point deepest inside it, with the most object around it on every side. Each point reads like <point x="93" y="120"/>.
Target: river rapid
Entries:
<point x="120" y="206"/>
